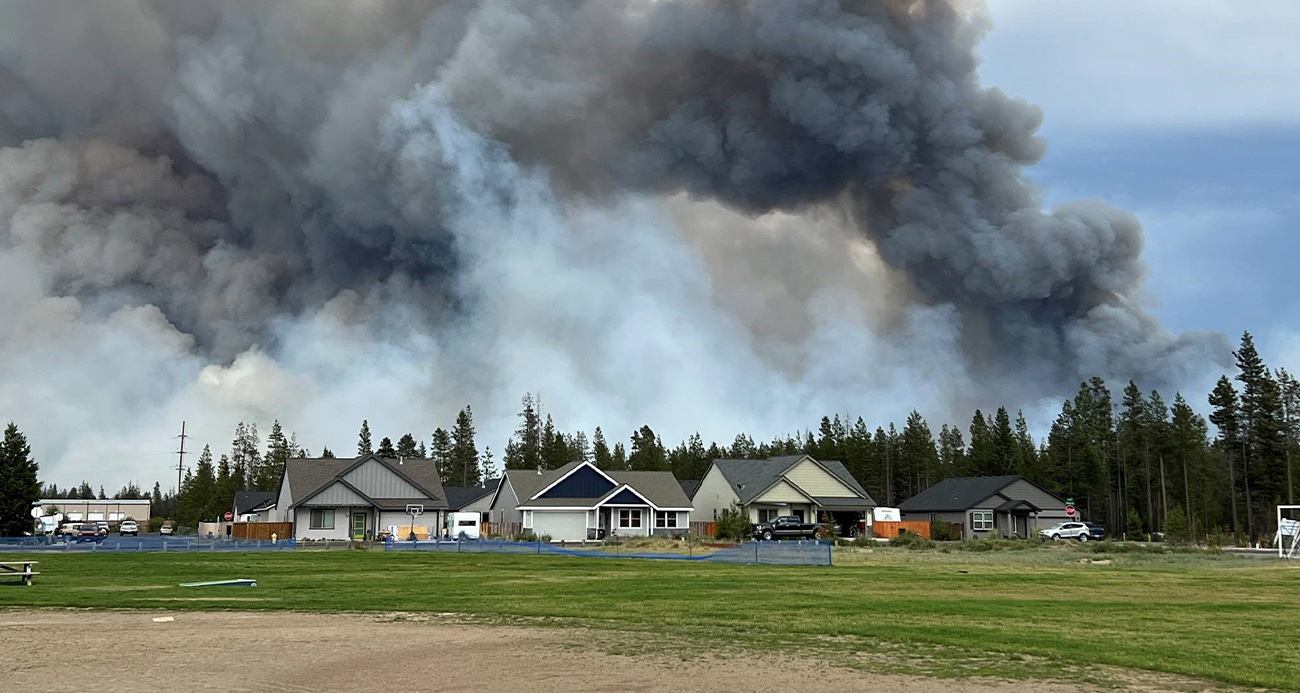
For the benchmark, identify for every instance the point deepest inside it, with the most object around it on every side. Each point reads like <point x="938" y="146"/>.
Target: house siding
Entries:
<point x="342" y="516"/>
<point x="336" y="494"/>
<point x="782" y="492"/>
<point x="431" y="520"/>
<point x="815" y="481"/>
<point x="281" y="511"/>
<point x="505" y="509"/>
<point x="377" y="481"/>
<point x="713" y="496"/>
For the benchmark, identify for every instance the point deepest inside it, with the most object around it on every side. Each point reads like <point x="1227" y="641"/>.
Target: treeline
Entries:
<point x="1136" y="465"/>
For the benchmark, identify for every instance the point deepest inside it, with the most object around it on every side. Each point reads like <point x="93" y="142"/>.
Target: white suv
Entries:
<point x="1083" y="531"/>
<point x="128" y="527"/>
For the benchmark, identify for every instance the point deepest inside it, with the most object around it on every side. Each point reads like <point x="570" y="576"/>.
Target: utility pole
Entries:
<point x="180" y="462"/>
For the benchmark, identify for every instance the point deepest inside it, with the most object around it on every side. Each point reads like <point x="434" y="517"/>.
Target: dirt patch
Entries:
<point x="345" y="652"/>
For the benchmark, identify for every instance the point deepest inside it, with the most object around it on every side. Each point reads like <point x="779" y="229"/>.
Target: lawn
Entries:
<point x="1227" y="619"/>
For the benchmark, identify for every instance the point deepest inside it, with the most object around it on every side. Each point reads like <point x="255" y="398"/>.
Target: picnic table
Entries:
<point x="23" y="569"/>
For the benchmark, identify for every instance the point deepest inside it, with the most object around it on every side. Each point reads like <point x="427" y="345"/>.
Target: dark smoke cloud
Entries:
<point x="248" y="167"/>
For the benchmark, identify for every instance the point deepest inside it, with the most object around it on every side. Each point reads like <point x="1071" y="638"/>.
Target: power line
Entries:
<point x="180" y="462"/>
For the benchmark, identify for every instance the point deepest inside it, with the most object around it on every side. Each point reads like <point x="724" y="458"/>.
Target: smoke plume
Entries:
<point x="701" y="214"/>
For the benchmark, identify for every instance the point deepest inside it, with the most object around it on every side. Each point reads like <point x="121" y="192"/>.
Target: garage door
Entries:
<point x="566" y="525"/>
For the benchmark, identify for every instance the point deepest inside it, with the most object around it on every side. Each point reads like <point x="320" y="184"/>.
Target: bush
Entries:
<point x="1134" y="526"/>
<point x="863" y="540"/>
<point x="941" y="531"/>
<point x="733" y="523"/>
<point x="912" y="541"/>
<point x="1176" y="526"/>
<point x="155" y="524"/>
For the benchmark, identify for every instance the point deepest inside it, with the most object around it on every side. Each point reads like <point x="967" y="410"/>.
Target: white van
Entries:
<point x="463" y="523"/>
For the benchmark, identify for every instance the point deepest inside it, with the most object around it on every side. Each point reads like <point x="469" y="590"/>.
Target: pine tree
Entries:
<point x="619" y="460"/>
<point x="156" y="500"/>
<point x="487" y="467"/>
<point x="982" y="456"/>
<point x="1188" y="434"/>
<point x="278" y="452"/>
<point x="580" y="448"/>
<point x="528" y="436"/>
<point x="326" y="453"/>
<point x="440" y="450"/>
<point x="647" y="451"/>
<point x="363" y="439"/>
<point x="919" y="454"/>
<point x="19" y="487"/>
<point x="386" y="449"/>
<point x="1227" y="418"/>
<point x="406" y="448"/>
<point x="1004" y="444"/>
<point x="600" y="451"/>
<point x="465" y="463"/>
<point x="224" y="490"/>
<point x="1026" y="450"/>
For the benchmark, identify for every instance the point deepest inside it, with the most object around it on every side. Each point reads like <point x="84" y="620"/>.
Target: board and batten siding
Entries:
<point x="816" y="481"/>
<point x="281" y="511"/>
<point x="342" y="516"/>
<point x="713" y="496"/>
<point x="377" y="481"/>
<point x="336" y="494"/>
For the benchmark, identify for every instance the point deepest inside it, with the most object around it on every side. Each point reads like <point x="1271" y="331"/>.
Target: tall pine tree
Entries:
<point x="19" y="487"/>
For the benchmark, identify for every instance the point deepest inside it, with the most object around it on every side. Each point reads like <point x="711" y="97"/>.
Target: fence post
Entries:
<point x="539" y="547"/>
<point x="755" y="553"/>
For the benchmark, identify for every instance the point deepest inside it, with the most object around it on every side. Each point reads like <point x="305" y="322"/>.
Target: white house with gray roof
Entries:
<point x="795" y="485"/>
<point x="328" y="498"/>
<point x="579" y="502"/>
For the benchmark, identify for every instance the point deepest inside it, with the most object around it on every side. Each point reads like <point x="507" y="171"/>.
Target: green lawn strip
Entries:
<point x="1015" y="617"/>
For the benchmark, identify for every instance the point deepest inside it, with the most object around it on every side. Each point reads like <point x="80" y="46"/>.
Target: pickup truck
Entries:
<point x="786" y="526"/>
<point x="87" y="532"/>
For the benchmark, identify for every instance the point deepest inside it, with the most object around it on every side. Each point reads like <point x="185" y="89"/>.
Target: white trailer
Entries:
<point x="463" y="523"/>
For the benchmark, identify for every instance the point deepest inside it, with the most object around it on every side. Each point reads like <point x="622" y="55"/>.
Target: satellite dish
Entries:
<point x="38" y="512"/>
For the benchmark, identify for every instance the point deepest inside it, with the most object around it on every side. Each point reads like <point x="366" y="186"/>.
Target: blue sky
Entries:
<point x="1186" y="113"/>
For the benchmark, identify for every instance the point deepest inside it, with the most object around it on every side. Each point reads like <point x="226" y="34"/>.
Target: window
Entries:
<point x="114" y="517"/>
<point x="528" y="519"/>
<point x="981" y="520"/>
<point x="765" y="515"/>
<point x="74" y="517"/>
<point x="465" y="523"/>
<point x="96" y="516"/>
<point x="666" y="519"/>
<point x="322" y="518"/>
<point x="629" y="517"/>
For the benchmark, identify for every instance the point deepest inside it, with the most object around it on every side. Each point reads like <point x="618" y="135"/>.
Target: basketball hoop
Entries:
<point x="414" y="510"/>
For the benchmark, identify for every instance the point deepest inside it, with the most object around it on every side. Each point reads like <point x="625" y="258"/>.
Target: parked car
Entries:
<point x="67" y="529"/>
<point x="786" y="526"/>
<point x="128" y="527"/>
<point x="1081" y="531"/>
<point x="168" y="527"/>
<point x="88" y="532"/>
<point x="102" y="524"/>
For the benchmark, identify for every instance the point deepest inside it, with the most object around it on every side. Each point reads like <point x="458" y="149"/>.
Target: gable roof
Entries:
<point x="750" y="478"/>
<point x="659" y="488"/>
<point x="308" y="476"/>
<point x="957" y="493"/>
<point x="461" y="496"/>
<point x="253" y="501"/>
<point x="689" y="487"/>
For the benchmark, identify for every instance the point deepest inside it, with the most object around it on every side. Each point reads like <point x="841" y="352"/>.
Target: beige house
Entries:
<point x="796" y="485"/>
<point x="96" y="510"/>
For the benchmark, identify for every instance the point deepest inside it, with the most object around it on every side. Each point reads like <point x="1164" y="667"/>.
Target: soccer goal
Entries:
<point x="1288" y="531"/>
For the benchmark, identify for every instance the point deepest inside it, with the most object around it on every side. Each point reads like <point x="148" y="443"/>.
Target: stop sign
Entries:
<point x="1069" y="510"/>
<point x="230" y="516"/>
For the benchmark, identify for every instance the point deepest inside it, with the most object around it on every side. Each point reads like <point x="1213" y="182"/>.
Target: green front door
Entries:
<point x="358" y="526"/>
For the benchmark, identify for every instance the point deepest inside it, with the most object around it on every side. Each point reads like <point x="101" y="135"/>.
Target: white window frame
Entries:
<point x="629" y="518"/>
<point x="666" y="519"/>
<point x="313" y="523"/>
<point x="528" y="519"/>
<point x="981" y="520"/>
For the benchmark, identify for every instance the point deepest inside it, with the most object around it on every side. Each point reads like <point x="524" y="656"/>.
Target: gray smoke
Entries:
<point x="698" y="213"/>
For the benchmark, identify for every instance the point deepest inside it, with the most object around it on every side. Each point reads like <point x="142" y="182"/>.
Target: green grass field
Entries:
<point x="1022" y="613"/>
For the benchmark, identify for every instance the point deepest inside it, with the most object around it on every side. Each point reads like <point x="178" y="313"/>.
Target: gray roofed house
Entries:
<point x="689" y="486"/>
<point x="459" y="497"/>
<point x="987" y="506"/>
<point x="328" y="498"/>
<point x="798" y="485"/>
<point x="579" y="502"/>
<point x="254" y="506"/>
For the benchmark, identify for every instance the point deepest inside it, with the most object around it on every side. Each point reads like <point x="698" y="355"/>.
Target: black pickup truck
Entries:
<point x="786" y="526"/>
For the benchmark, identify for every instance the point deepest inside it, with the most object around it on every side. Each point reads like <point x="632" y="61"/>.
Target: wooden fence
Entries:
<point x="262" y="530"/>
<point x="889" y="530"/>
<point x="704" y="529"/>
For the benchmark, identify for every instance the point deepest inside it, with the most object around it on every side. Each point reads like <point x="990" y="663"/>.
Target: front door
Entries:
<point x="358" y="526"/>
<point x="799" y="514"/>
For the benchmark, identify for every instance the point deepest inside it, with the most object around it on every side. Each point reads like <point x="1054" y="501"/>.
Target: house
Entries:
<point x="799" y="485"/>
<point x="358" y="498"/>
<point x="254" y="506"/>
<point x="577" y="501"/>
<point x="472" y="499"/>
<point x="987" y="506"/>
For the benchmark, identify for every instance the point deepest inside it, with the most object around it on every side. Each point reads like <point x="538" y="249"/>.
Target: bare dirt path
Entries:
<point x="235" y="652"/>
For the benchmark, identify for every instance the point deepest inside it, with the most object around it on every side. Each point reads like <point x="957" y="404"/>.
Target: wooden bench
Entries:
<point x="23" y="569"/>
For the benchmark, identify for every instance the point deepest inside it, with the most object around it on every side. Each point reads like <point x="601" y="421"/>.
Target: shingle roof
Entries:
<point x="309" y="475"/>
<point x="250" y="501"/>
<point x="748" y="478"/>
<point x="956" y="493"/>
<point x="660" y="488"/>
<point x="461" y="496"/>
<point x="689" y="486"/>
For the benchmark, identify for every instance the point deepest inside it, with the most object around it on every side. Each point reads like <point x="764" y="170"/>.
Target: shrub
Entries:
<point x="1176" y="526"/>
<point x="733" y="523"/>
<point x="912" y="541"/>
<point x="1134" y="526"/>
<point x="941" y="531"/>
<point x="155" y="524"/>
